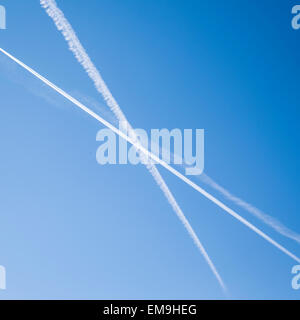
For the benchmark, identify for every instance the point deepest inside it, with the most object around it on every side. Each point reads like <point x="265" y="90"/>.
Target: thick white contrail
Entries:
<point x="156" y="159"/>
<point x="145" y="152"/>
<point x="76" y="47"/>
<point x="81" y="55"/>
<point x="267" y="219"/>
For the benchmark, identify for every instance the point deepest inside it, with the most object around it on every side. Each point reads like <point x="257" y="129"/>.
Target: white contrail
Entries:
<point x="81" y="55"/>
<point x="156" y="159"/>
<point x="267" y="219"/>
<point x="272" y="222"/>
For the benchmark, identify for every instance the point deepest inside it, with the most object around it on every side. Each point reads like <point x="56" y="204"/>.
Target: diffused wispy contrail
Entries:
<point x="270" y="221"/>
<point x="158" y="160"/>
<point x="76" y="47"/>
<point x="267" y="219"/>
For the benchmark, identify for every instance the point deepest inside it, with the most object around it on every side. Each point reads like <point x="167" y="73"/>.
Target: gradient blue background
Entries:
<point x="72" y="229"/>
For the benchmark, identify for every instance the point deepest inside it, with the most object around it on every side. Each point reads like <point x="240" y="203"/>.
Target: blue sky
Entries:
<point x="72" y="229"/>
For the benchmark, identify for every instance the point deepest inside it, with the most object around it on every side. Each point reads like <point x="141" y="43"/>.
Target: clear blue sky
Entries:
<point x="71" y="228"/>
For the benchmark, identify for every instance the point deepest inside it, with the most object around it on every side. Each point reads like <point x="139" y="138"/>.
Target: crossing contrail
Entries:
<point x="82" y="57"/>
<point x="159" y="161"/>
